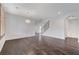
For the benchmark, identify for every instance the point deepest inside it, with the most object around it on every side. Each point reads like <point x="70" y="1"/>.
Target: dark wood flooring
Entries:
<point x="33" y="46"/>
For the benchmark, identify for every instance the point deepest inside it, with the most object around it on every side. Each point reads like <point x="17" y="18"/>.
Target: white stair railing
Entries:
<point x="42" y="28"/>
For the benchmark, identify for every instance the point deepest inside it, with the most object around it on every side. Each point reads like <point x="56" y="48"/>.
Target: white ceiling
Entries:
<point x="39" y="11"/>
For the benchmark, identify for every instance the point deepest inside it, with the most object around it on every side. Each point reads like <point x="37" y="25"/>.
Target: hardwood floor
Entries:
<point x="33" y="46"/>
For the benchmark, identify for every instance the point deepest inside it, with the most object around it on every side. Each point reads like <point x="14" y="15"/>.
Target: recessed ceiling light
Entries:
<point x="58" y="12"/>
<point x="28" y="21"/>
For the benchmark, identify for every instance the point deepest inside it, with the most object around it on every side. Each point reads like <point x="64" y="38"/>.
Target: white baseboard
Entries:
<point x="12" y="37"/>
<point x="2" y="41"/>
<point x="63" y="38"/>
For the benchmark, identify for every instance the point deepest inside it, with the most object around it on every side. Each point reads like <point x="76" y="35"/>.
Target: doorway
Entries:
<point x="71" y="30"/>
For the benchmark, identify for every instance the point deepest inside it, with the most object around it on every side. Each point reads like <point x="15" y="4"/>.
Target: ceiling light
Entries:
<point x="28" y="21"/>
<point x="58" y="12"/>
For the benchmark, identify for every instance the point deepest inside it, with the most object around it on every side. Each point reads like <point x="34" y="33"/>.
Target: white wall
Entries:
<point x="17" y="28"/>
<point x="56" y="29"/>
<point x="78" y="29"/>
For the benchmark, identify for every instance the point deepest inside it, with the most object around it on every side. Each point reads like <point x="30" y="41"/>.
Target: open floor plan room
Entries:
<point x="39" y="29"/>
